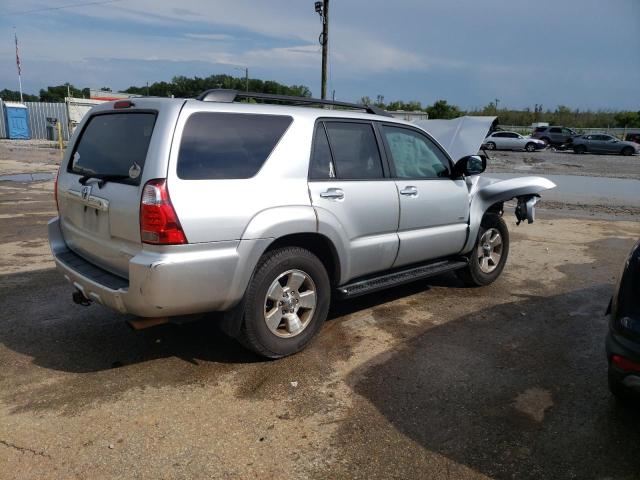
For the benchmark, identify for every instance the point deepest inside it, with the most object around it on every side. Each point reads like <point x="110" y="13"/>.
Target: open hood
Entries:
<point x="461" y="136"/>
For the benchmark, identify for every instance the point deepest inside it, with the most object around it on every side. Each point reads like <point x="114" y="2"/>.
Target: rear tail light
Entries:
<point x="625" y="364"/>
<point x="159" y="223"/>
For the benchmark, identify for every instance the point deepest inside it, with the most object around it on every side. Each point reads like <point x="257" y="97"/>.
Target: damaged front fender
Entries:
<point x="484" y="192"/>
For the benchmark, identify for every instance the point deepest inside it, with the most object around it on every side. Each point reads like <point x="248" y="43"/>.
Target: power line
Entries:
<point x="47" y="9"/>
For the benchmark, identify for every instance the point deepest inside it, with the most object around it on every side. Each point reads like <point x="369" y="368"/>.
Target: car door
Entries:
<point x="434" y="208"/>
<point x="513" y="141"/>
<point x="598" y="143"/>
<point x="499" y="139"/>
<point x="610" y="144"/>
<point x="555" y="135"/>
<point x="352" y="196"/>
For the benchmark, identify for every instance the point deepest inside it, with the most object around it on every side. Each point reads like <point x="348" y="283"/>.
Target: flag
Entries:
<point x="17" y="56"/>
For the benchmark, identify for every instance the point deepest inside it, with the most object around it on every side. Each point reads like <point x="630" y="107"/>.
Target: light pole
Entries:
<point x="497" y="102"/>
<point x="322" y="9"/>
<point x="246" y="76"/>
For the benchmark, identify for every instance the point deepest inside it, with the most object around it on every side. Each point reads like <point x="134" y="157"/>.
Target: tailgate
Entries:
<point x="102" y="177"/>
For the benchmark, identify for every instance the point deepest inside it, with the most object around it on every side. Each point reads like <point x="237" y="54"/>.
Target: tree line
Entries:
<point x="182" y="86"/>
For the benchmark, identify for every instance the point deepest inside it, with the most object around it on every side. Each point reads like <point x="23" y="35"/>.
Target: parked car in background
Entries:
<point x="623" y="339"/>
<point x="512" y="141"/>
<point x="554" y="135"/>
<point x="603" y="143"/>
<point x="169" y="207"/>
<point x="632" y="137"/>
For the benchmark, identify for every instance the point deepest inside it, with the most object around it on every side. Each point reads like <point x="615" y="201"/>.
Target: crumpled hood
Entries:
<point x="461" y="136"/>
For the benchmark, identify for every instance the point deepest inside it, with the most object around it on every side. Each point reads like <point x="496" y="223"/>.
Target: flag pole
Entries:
<point x="15" y="36"/>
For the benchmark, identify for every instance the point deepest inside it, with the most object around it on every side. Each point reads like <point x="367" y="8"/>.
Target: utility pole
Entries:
<point x="246" y="76"/>
<point x="322" y="8"/>
<point x="497" y="101"/>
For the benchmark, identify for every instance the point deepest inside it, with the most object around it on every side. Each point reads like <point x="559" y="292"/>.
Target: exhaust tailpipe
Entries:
<point x="142" y="323"/>
<point x="79" y="298"/>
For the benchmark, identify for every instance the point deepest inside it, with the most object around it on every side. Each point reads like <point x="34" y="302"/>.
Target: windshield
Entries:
<point x="114" y="144"/>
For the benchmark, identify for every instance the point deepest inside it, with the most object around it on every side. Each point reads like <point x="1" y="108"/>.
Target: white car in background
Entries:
<point x="512" y="141"/>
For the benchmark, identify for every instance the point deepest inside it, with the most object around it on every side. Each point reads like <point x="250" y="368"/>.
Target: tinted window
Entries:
<point x="228" y="145"/>
<point x="500" y="134"/>
<point x="511" y="135"/>
<point x="355" y="150"/>
<point x="555" y="130"/>
<point x="114" y="144"/>
<point x="321" y="162"/>
<point x="414" y="155"/>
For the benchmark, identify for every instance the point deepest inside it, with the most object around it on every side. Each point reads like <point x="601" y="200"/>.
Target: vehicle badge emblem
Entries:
<point x="86" y="192"/>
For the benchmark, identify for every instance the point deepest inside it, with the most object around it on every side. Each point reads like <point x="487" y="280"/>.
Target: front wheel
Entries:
<point x="489" y="255"/>
<point x="286" y="303"/>
<point x="530" y="147"/>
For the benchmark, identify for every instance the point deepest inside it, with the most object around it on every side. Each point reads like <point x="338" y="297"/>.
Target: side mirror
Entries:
<point x="471" y="165"/>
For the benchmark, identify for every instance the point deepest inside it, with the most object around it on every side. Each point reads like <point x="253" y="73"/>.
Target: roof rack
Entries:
<point x="224" y="95"/>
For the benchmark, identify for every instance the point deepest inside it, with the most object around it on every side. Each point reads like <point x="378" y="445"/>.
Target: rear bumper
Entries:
<point x="618" y="345"/>
<point x="179" y="280"/>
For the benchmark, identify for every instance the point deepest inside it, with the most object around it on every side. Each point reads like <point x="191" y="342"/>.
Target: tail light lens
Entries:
<point x="159" y="223"/>
<point x="625" y="364"/>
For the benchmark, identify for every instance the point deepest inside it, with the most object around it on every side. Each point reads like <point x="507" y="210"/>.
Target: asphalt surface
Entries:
<point x="430" y="380"/>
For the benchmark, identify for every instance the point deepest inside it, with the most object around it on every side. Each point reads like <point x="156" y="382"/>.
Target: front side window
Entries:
<point x="414" y="155"/>
<point x="228" y="145"/>
<point x="355" y="150"/>
<point x="556" y="130"/>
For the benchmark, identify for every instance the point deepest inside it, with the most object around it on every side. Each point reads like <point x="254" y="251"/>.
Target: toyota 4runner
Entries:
<point x="169" y="207"/>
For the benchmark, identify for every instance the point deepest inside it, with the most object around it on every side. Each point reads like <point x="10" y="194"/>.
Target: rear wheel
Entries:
<point x="580" y="149"/>
<point x="627" y="151"/>
<point x="530" y="147"/>
<point x="491" y="146"/>
<point x="286" y="303"/>
<point x="489" y="255"/>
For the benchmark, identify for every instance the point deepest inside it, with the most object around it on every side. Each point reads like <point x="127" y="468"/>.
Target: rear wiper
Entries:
<point x="102" y="178"/>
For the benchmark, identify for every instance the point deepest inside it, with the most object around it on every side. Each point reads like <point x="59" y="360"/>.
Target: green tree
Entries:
<point x="442" y="109"/>
<point x="627" y="119"/>
<point x="14" y="96"/>
<point x="59" y="92"/>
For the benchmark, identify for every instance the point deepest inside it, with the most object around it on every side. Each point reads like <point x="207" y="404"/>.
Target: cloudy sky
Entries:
<point x="580" y="53"/>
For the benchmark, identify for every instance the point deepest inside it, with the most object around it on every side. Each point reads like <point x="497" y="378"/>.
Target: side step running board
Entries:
<point x="398" y="277"/>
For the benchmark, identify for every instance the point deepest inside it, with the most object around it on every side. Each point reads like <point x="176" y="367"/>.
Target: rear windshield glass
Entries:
<point x="114" y="144"/>
<point x="228" y="145"/>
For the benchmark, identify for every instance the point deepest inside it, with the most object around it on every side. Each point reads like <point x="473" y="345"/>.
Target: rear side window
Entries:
<point x="556" y="130"/>
<point x="114" y="144"/>
<point x="228" y="145"/>
<point x="355" y="150"/>
<point x="321" y="166"/>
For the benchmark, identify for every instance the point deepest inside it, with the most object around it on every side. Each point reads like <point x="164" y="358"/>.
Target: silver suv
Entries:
<point x="169" y="207"/>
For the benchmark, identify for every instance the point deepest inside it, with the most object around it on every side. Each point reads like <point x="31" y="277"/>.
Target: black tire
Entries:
<point x="530" y="147"/>
<point x="473" y="275"/>
<point x="254" y="332"/>
<point x="491" y="146"/>
<point x="627" y="151"/>
<point x="579" y="149"/>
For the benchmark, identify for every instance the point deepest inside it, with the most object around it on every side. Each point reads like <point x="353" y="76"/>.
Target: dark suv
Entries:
<point x="554" y="135"/>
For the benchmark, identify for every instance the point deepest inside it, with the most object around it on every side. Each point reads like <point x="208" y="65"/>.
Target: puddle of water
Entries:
<point x="587" y="190"/>
<point x="27" y="177"/>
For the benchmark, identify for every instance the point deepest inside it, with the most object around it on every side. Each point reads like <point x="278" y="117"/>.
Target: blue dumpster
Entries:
<point x="17" y="123"/>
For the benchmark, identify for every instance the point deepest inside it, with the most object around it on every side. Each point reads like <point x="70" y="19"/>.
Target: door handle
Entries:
<point x="333" y="193"/>
<point x="409" y="191"/>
